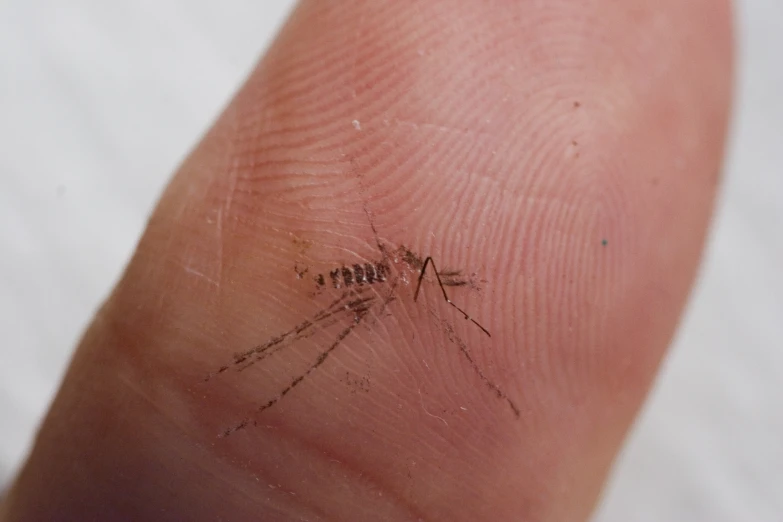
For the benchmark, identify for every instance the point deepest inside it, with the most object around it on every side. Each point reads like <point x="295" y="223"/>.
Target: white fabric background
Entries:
<point x="99" y="101"/>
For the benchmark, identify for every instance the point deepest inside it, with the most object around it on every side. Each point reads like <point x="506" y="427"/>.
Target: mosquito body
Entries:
<point x="370" y="273"/>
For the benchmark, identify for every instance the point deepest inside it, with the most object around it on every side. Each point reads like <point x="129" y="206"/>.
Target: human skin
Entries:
<point x="564" y="155"/>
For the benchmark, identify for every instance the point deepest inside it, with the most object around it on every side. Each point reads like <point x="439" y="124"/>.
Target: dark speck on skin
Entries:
<point x="604" y="242"/>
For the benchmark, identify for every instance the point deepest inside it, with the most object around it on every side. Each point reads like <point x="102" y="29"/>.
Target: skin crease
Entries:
<point x="566" y="153"/>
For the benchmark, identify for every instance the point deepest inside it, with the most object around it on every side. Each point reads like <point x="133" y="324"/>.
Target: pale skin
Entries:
<point x="567" y="153"/>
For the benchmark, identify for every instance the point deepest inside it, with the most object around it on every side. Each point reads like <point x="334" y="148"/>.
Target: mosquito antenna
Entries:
<point x="428" y="261"/>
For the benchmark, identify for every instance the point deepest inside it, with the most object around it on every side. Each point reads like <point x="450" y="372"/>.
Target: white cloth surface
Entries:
<point x="99" y="102"/>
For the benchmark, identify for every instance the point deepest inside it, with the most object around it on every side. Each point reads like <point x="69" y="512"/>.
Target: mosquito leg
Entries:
<point x="298" y="380"/>
<point x="248" y="358"/>
<point x="463" y="347"/>
<point x="429" y="261"/>
<point x="361" y="307"/>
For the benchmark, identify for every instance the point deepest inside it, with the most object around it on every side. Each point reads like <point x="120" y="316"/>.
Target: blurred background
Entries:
<point x="100" y="101"/>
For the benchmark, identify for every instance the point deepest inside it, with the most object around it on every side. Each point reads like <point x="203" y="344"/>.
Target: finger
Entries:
<point x="561" y="156"/>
